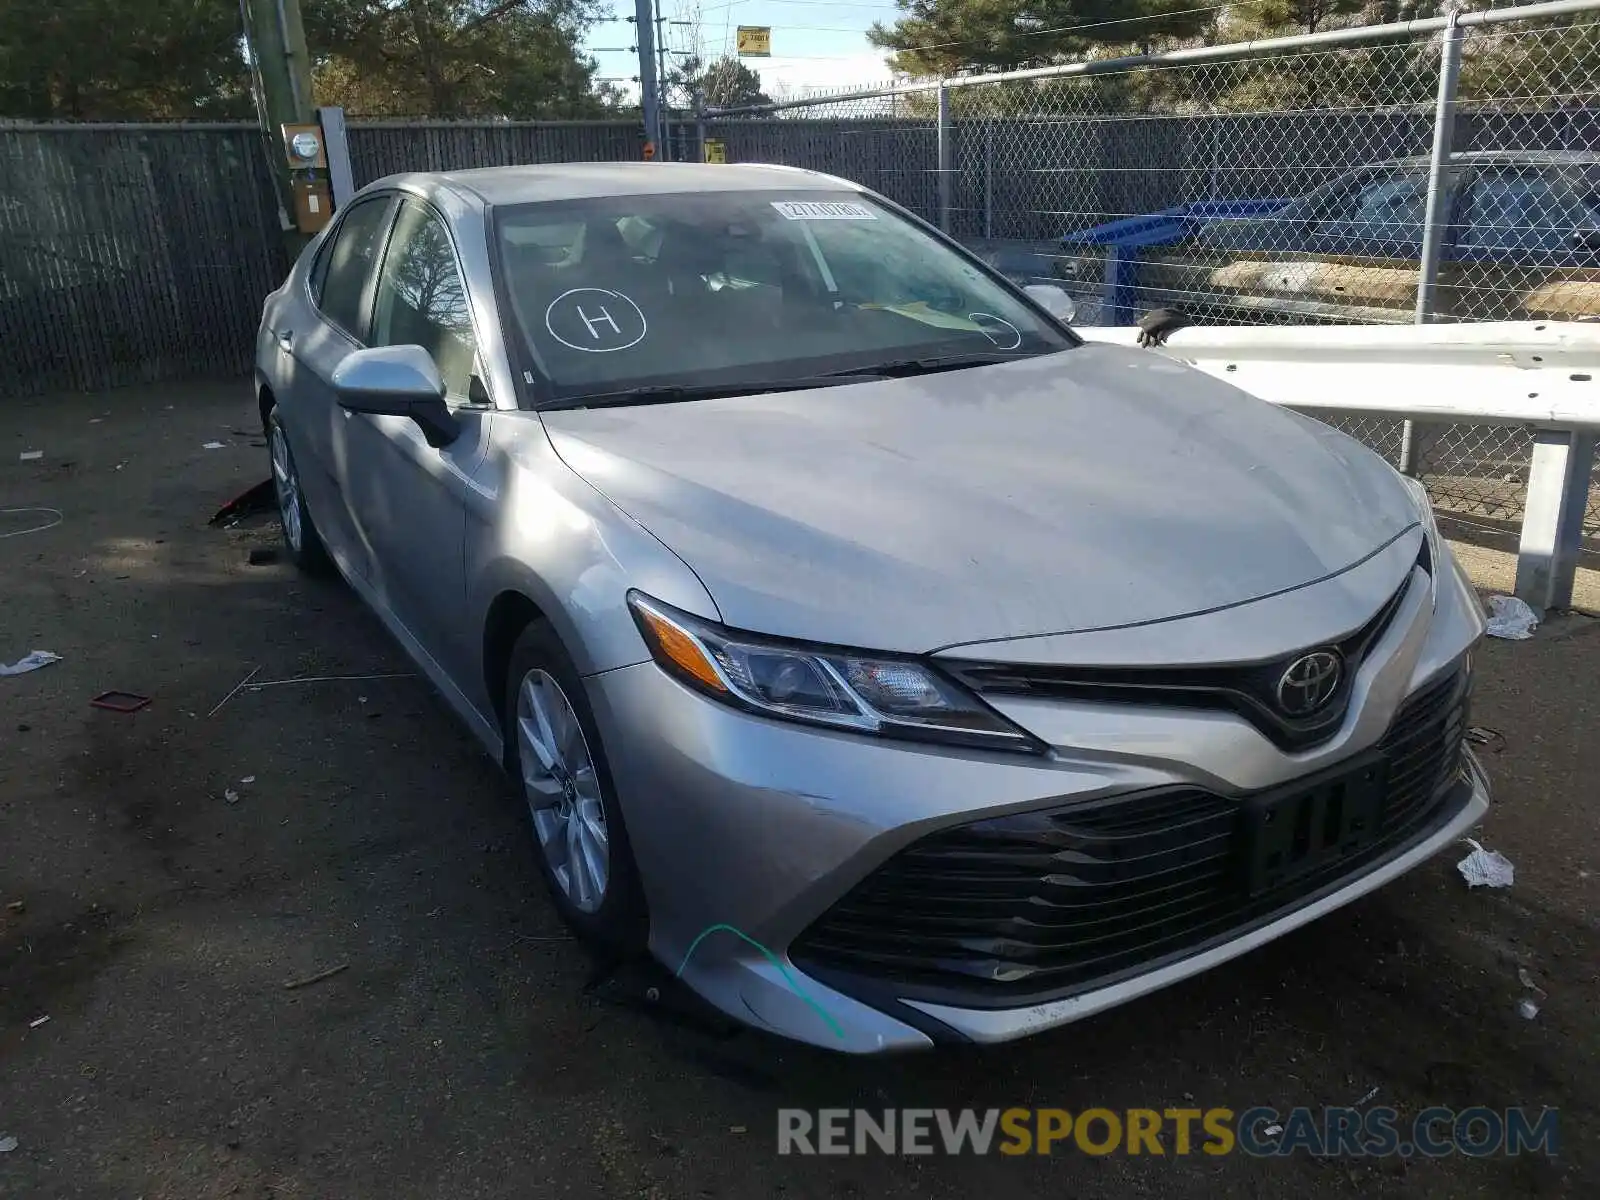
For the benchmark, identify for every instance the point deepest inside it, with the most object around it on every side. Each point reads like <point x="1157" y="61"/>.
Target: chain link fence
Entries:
<point x="1438" y="170"/>
<point x="379" y="148"/>
<point x="131" y="254"/>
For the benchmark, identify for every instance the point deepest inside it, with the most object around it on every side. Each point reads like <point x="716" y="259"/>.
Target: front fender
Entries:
<point x="558" y="542"/>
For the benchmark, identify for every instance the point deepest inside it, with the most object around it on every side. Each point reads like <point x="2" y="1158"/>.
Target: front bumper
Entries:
<point x="748" y="830"/>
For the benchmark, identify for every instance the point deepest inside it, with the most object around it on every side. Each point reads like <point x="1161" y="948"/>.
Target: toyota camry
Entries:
<point x="893" y="666"/>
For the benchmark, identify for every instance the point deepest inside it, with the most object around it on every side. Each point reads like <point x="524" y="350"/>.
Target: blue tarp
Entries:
<point x="1126" y="236"/>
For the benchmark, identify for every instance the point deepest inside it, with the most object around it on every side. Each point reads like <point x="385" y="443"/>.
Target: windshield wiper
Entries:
<point x="928" y="366"/>
<point x="675" y="393"/>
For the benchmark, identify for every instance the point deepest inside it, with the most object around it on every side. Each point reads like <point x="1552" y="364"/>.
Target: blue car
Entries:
<point x="1523" y="241"/>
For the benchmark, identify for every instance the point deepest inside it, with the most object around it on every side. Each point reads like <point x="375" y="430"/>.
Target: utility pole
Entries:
<point x="649" y="93"/>
<point x="666" y="98"/>
<point x="278" y="55"/>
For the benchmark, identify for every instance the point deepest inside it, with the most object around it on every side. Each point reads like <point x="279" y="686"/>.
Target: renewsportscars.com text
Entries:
<point x="1259" y="1132"/>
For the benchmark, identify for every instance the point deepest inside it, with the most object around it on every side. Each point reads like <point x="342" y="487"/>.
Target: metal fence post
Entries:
<point x="1552" y="522"/>
<point x="698" y="100"/>
<point x="988" y="179"/>
<point x="946" y="154"/>
<point x="1436" y="218"/>
<point x="336" y="145"/>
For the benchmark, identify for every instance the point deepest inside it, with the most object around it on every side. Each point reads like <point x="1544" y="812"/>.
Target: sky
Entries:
<point x="815" y="43"/>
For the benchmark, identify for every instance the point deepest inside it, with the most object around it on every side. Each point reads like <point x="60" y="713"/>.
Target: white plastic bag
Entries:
<point x="1511" y="618"/>
<point x="30" y="662"/>
<point x="1486" y="868"/>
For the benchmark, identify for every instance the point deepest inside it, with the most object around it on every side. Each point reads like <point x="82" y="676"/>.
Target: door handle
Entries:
<point x="285" y="340"/>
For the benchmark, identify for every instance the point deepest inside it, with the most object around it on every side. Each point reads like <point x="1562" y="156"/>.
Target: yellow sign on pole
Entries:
<point x="755" y="41"/>
<point x="716" y="151"/>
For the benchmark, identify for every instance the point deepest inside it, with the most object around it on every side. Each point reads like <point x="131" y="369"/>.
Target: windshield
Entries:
<point x="728" y="288"/>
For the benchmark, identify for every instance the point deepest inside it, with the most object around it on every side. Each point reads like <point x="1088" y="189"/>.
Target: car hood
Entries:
<point x="1091" y="489"/>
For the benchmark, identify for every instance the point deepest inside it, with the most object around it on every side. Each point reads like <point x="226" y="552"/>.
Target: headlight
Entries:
<point x="893" y="697"/>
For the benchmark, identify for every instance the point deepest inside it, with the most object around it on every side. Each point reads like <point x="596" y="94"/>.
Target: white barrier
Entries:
<point x="1541" y="375"/>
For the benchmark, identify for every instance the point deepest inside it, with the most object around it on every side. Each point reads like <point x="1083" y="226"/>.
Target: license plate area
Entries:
<point x="1298" y="830"/>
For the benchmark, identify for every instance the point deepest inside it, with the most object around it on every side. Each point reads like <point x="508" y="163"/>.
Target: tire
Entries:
<point x="300" y="536"/>
<point x="562" y="807"/>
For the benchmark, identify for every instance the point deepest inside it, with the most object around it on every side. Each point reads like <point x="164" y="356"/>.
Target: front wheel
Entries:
<point x="299" y="533"/>
<point x="555" y="757"/>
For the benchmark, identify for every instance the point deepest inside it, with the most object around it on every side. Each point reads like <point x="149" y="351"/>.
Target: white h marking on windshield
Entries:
<point x="590" y="324"/>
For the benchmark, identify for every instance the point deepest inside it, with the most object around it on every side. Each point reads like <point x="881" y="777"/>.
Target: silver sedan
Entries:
<point x="892" y="666"/>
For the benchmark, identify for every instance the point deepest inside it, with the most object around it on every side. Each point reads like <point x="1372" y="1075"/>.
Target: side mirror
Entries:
<point x="397" y="381"/>
<point x="1054" y="300"/>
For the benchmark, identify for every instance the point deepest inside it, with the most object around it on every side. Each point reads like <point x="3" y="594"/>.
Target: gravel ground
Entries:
<point x="164" y="874"/>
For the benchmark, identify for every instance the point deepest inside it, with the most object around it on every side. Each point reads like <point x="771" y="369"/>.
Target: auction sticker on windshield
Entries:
<point x="823" y="210"/>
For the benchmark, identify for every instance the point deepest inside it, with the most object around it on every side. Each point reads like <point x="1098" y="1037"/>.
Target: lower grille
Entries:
<point x="1038" y="905"/>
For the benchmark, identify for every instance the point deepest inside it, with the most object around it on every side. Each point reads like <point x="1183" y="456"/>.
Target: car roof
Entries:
<point x="581" y="181"/>
<point x="1552" y="158"/>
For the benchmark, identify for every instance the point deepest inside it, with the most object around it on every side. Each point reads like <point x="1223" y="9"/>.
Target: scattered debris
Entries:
<point x="8" y="1143"/>
<point x="260" y="556"/>
<point x="1368" y="1096"/>
<point x="38" y="1021"/>
<point x="258" y="499"/>
<point x="266" y="683"/>
<point x="1527" y="1009"/>
<point x="212" y="446"/>
<point x="235" y="691"/>
<point x="1526" y="980"/>
<point x="248" y="779"/>
<point x="120" y="702"/>
<point x="31" y="455"/>
<point x="55" y="518"/>
<point x="1511" y="618"/>
<point x="1486" y="868"/>
<point x="17" y="906"/>
<point x="317" y="978"/>
<point x="1273" y="1130"/>
<point x="31" y="661"/>
<point x="1489" y="739"/>
<point x="231" y="796"/>
<point x="738" y="1129"/>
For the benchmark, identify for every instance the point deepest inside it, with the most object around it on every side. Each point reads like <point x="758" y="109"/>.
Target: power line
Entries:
<point x="873" y="4"/>
<point x="1020" y="33"/>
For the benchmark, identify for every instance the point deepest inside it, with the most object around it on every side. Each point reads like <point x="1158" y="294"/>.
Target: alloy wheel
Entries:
<point x="287" y="485"/>
<point x="563" y="791"/>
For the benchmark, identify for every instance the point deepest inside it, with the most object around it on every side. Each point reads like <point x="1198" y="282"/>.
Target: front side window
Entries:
<point x="421" y="299"/>
<point x="350" y="262"/>
<point x="708" y="288"/>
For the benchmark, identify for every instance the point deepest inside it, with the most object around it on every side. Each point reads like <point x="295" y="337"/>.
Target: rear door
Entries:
<point x="341" y="286"/>
<point x="409" y="499"/>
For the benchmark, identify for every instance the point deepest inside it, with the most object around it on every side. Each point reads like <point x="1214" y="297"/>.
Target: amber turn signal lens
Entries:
<point x="672" y="645"/>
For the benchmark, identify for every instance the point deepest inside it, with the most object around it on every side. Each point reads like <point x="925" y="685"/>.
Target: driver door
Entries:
<point x="409" y="499"/>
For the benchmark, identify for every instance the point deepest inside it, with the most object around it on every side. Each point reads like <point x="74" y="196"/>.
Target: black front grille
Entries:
<point x="1249" y="689"/>
<point x="1038" y="905"/>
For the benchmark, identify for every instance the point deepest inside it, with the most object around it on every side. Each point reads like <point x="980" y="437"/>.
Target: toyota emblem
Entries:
<point x="1310" y="682"/>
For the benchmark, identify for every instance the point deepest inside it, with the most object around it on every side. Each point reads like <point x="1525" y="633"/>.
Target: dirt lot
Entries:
<point x="155" y="920"/>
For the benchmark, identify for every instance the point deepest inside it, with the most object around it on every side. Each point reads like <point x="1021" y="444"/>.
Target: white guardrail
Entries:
<point x="1540" y="375"/>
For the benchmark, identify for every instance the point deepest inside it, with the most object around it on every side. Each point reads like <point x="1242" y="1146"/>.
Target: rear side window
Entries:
<point x="351" y="259"/>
